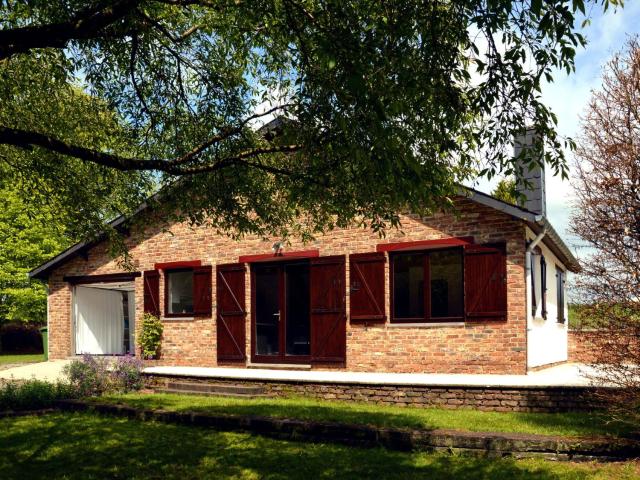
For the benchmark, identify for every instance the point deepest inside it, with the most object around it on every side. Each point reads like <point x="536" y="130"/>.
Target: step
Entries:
<point x="212" y="394"/>
<point x="221" y="388"/>
<point x="279" y="366"/>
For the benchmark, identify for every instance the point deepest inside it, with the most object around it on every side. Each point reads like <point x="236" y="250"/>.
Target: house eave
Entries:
<point x="535" y="221"/>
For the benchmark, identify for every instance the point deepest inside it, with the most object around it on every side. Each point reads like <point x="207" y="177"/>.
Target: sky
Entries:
<point x="568" y="96"/>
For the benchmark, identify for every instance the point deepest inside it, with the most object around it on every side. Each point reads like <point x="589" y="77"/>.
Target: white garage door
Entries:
<point x="99" y="321"/>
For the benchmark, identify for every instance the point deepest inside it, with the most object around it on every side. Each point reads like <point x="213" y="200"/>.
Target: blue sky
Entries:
<point x="569" y="94"/>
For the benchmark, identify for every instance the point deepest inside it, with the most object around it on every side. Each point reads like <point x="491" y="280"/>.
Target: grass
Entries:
<point x="6" y="359"/>
<point x="85" y="446"/>
<point x="565" y="424"/>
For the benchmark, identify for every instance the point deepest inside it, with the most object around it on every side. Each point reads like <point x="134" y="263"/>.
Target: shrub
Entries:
<point x="94" y="376"/>
<point x="89" y="376"/>
<point x="150" y="336"/>
<point x="126" y="373"/>
<point x="33" y="394"/>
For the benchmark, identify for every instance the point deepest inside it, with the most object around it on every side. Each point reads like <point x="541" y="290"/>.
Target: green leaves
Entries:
<point x="28" y="236"/>
<point x="387" y="106"/>
<point x="150" y="336"/>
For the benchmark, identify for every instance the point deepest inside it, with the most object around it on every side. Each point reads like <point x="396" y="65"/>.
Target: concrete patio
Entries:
<point x="570" y="374"/>
<point x="47" y="371"/>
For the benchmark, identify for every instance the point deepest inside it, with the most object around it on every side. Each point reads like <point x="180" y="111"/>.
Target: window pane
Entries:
<point x="408" y="286"/>
<point x="446" y="284"/>
<point x="180" y="292"/>
<point x="560" y="294"/>
<point x="297" y="326"/>
<point x="267" y="285"/>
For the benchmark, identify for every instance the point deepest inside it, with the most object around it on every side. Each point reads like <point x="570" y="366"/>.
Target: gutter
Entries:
<point x="527" y="268"/>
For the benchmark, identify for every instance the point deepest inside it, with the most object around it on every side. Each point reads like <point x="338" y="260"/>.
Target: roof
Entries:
<point x="538" y="223"/>
<point x="535" y="221"/>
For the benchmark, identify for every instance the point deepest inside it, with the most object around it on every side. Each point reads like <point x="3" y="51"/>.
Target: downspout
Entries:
<point x="527" y="260"/>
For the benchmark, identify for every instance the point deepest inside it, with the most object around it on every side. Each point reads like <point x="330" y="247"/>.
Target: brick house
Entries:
<point x="477" y="290"/>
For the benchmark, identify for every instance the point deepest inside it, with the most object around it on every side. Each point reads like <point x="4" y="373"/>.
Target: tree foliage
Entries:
<point x="506" y="191"/>
<point x="607" y="218"/>
<point x="386" y="105"/>
<point x="28" y="236"/>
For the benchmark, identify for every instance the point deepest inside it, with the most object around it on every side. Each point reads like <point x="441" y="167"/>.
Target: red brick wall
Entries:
<point x="580" y="346"/>
<point x="498" y="347"/>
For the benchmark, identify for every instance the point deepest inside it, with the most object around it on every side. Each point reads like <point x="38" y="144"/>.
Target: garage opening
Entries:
<point x="104" y="318"/>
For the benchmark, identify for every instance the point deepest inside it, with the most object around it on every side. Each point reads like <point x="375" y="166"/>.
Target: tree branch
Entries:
<point x="27" y="140"/>
<point x="89" y="23"/>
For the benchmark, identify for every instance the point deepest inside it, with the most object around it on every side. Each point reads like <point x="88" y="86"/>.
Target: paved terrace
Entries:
<point x="571" y="374"/>
<point x="561" y="375"/>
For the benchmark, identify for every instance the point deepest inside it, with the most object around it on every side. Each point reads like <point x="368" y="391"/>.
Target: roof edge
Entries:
<point x="534" y="220"/>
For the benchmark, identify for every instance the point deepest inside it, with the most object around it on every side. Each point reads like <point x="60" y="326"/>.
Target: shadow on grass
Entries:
<point x="564" y="424"/>
<point x="85" y="446"/>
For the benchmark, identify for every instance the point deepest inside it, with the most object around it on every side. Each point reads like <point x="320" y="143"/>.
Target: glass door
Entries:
<point x="267" y="310"/>
<point x="281" y="312"/>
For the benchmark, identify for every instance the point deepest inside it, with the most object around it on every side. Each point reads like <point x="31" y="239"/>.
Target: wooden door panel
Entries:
<point x="231" y="312"/>
<point x="328" y="319"/>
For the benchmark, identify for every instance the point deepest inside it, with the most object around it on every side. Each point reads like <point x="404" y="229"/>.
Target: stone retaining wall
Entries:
<point x="499" y="399"/>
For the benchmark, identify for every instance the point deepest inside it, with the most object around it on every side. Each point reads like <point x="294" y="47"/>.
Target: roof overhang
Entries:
<point x="534" y="221"/>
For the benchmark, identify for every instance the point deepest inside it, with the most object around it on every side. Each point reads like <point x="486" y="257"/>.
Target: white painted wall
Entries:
<point x="547" y="340"/>
<point x="99" y="321"/>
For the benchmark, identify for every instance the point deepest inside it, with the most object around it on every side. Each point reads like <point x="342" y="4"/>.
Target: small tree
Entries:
<point x="506" y="191"/>
<point x="150" y="336"/>
<point x="608" y="220"/>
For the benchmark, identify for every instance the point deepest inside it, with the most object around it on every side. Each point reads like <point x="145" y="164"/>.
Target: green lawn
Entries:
<point x="5" y="359"/>
<point x="566" y="424"/>
<point x="85" y="446"/>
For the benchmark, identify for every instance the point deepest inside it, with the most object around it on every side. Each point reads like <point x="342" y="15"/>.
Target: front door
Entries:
<point x="281" y="315"/>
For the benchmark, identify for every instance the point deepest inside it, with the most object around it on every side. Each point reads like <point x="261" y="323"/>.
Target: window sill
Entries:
<point x="426" y="325"/>
<point x="169" y="319"/>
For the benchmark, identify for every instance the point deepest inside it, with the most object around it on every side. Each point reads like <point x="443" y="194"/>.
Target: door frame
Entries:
<point x="282" y="357"/>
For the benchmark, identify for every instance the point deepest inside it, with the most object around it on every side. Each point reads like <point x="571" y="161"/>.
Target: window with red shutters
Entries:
<point x="427" y="286"/>
<point x="151" y="281"/>
<point x="366" y="289"/>
<point x="328" y="316"/>
<point x="485" y="282"/>
<point x="202" y="291"/>
<point x="231" y="313"/>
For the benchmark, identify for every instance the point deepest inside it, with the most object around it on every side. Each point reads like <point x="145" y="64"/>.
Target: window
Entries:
<point x="543" y="286"/>
<point x="428" y="286"/>
<point x="560" y="281"/>
<point x="408" y="286"/>
<point x="534" y="303"/>
<point x="179" y="291"/>
<point x="446" y="284"/>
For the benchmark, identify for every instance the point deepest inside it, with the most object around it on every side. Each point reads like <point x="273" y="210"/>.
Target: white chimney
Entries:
<point x="532" y="183"/>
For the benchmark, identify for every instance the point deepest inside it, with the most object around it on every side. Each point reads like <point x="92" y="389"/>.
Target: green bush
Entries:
<point x="150" y="336"/>
<point x="33" y="394"/>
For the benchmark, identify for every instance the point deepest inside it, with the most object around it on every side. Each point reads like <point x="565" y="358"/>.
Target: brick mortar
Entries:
<point x="491" y="347"/>
<point x="497" y="399"/>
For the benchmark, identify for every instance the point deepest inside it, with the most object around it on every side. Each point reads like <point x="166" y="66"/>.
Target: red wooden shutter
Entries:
<point x="151" y="281"/>
<point x="485" y="282"/>
<point x="202" y="291"/>
<point x="328" y="319"/>
<point x="366" y="290"/>
<point x="231" y="314"/>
